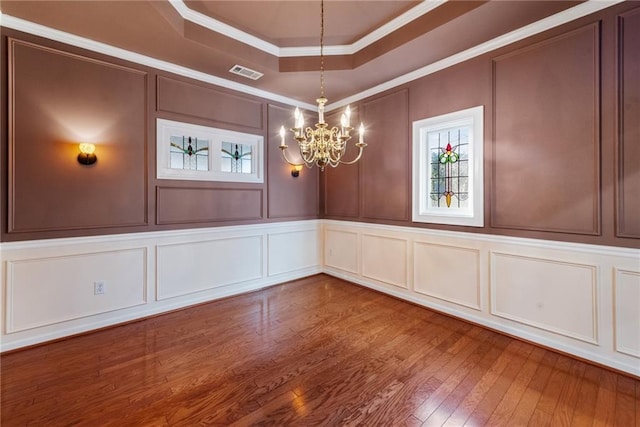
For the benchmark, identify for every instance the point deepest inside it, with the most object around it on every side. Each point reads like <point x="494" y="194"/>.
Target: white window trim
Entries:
<point x="166" y="128"/>
<point x="472" y="216"/>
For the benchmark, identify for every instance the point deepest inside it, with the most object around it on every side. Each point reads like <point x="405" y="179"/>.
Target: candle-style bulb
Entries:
<point x="361" y="131"/>
<point x="282" y="133"/>
<point x="347" y="113"/>
<point x="343" y="120"/>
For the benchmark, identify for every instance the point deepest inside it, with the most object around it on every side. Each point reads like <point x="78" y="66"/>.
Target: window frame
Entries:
<point x="165" y="129"/>
<point x="473" y="215"/>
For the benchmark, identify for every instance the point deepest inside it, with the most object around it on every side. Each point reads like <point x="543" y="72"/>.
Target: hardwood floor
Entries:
<point x="317" y="351"/>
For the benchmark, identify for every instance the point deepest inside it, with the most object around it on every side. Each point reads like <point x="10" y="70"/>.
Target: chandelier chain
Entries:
<point x="322" y="48"/>
<point x="322" y="145"/>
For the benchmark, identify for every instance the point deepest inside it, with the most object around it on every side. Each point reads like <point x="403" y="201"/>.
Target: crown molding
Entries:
<point x="220" y="27"/>
<point x="576" y="12"/>
<point x="213" y="24"/>
<point x="18" y="24"/>
<point x="377" y="34"/>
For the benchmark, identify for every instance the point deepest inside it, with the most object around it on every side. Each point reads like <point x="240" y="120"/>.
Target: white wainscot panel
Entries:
<point x="292" y="250"/>
<point x="341" y="250"/>
<point x="552" y="295"/>
<point x="449" y="273"/>
<point x="185" y="268"/>
<point x="627" y="312"/>
<point x="385" y="259"/>
<point x="45" y="291"/>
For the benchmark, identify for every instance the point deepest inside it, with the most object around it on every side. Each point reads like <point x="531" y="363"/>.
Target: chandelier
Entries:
<point x="323" y="145"/>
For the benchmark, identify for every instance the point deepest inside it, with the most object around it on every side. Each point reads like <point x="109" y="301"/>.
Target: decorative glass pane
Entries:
<point x="464" y="151"/>
<point x="446" y="148"/>
<point x="236" y="158"/>
<point x="188" y="153"/>
<point x="463" y="167"/>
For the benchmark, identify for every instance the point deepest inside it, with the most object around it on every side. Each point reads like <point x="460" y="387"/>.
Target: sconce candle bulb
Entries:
<point x="87" y="154"/>
<point x="282" y="134"/>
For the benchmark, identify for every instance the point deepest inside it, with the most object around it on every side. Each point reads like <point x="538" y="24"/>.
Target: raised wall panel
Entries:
<point x="341" y="250"/>
<point x="385" y="259"/>
<point x="628" y="212"/>
<point x="184" y="268"/>
<point x="627" y="311"/>
<point x="56" y="101"/>
<point x="553" y="295"/>
<point x="293" y="250"/>
<point x="449" y="273"/>
<point x="289" y="197"/>
<point x="342" y="184"/>
<point x="386" y="164"/>
<point x="197" y="205"/>
<point x="546" y="149"/>
<point x="197" y="101"/>
<point x="45" y="291"/>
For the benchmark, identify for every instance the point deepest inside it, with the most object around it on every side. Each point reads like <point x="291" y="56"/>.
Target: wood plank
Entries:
<point x="502" y="415"/>
<point x="625" y="402"/>
<point x="588" y="394"/>
<point x="606" y="401"/>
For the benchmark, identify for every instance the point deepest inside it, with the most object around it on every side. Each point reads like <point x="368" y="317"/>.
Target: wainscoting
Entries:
<point x="580" y="299"/>
<point x="48" y="285"/>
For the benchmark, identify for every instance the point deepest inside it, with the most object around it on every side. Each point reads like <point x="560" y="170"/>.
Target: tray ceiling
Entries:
<point x="367" y="43"/>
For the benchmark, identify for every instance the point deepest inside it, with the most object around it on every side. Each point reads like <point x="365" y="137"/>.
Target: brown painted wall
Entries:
<point x="60" y="96"/>
<point x="573" y="91"/>
<point x="80" y="100"/>
<point x="546" y="135"/>
<point x="386" y="184"/>
<point x="628" y="219"/>
<point x="343" y="200"/>
<point x="289" y="196"/>
<point x="558" y="136"/>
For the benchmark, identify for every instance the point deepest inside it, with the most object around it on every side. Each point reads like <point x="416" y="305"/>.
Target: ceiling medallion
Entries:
<point x="322" y="146"/>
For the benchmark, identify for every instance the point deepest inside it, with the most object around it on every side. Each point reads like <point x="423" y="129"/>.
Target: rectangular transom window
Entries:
<point x="201" y="153"/>
<point x="448" y="168"/>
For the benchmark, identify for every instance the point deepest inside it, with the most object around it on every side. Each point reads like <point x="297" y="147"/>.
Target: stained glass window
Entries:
<point x="202" y="153"/>
<point x="188" y="153"/>
<point x="236" y="158"/>
<point x="448" y="168"/>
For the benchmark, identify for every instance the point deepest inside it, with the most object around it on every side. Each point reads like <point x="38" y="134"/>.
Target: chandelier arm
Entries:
<point x="308" y="159"/>
<point x="356" y="159"/>
<point x="336" y="155"/>
<point x="336" y="146"/>
<point x="284" y="154"/>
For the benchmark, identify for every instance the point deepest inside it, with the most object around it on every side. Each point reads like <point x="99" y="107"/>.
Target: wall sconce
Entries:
<point x="87" y="156"/>
<point x="295" y="171"/>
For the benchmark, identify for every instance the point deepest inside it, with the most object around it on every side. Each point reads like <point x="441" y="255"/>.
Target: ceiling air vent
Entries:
<point x="246" y="72"/>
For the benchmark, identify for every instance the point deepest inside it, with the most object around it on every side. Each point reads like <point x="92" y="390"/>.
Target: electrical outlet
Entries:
<point x="99" y="287"/>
